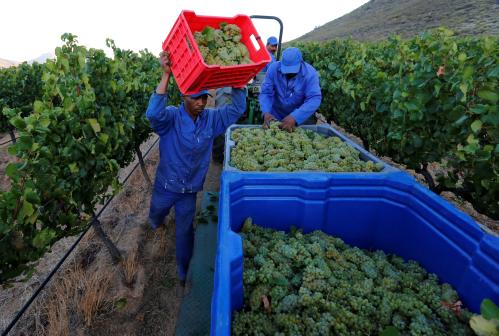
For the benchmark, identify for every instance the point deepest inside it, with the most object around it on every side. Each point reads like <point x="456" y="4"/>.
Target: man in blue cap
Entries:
<point x="271" y="48"/>
<point x="290" y="91"/>
<point x="186" y="138"/>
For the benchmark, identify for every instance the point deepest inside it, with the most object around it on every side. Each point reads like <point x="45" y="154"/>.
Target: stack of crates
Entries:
<point x="385" y="210"/>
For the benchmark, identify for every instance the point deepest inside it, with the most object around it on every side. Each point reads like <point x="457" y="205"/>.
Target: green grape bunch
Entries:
<point x="222" y="46"/>
<point x="273" y="149"/>
<point x="315" y="284"/>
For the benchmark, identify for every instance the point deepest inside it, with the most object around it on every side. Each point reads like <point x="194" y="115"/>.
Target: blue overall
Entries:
<point x="266" y="67"/>
<point x="185" y="150"/>
<point x="300" y="96"/>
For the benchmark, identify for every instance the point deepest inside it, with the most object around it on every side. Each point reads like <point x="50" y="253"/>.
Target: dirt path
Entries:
<point x="160" y="304"/>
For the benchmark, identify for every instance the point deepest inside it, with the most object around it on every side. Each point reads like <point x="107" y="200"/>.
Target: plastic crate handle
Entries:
<point x="255" y="42"/>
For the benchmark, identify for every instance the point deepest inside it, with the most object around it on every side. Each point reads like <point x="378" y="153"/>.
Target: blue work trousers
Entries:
<point x="185" y="207"/>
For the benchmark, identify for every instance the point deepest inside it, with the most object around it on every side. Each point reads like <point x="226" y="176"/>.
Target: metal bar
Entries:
<point x="266" y="17"/>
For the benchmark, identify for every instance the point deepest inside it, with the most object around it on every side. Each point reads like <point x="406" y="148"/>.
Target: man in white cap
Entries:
<point x="290" y="91"/>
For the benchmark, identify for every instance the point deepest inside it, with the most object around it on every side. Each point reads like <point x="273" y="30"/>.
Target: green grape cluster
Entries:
<point x="273" y="149"/>
<point x="222" y="46"/>
<point x="318" y="285"/>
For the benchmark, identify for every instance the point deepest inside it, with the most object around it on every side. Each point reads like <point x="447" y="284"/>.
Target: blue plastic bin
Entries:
<point x="391" y="212"/>
<point x="323" y="129"/>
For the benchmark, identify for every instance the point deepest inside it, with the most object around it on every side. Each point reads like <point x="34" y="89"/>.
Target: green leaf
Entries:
<point x="464" y="88"/>
<point x="394" y="135"/>
<point x="12" y="150"/>
<point x="65" y="64"/>
<point x="390" y="331"/>
<point x="43" y="238"/>
<point x="437" y="88"/>
<point x="471" y="148"/>
<point x="94" y="124"/>
<point x="18" y="123"/>
<point x="468" y="72"/>
<point x="31" y="196"/>
<point x="417" y="141"/>
<point x="69" y="105"/>
<point x="471" y="139"/>
<point x="104" y="137"/>
<point x="479" y="109"/>
<point x="26" y="210"/>
<point x="483" y="327"/>
<point x="37" y="106"/>
<point x="44" y="122"/>
<point x="489" y="310"/>
<point x="494" y="72"/>
<point x="491" y="118"/>
<point x="121" y="128"/>
<point x="12" y="171"/>
<point x="461" y="120"/>
<point x="488" y="95"/>
<point x="362" y="106"/>
<point x="462" y="57"/>
<point x="416" y="115"/>
<point x="411" y="107"/>
<point x="73" y="168"/>
<point x="476" y="126"/>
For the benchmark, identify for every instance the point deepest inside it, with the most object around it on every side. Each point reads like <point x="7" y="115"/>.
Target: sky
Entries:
<point x="30" y="28"/>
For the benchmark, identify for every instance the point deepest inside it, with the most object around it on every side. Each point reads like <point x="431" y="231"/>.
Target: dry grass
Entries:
<point x="58" y="306"/>
<point x="160" y="238"/>
<point x="95" y="287"/>
<point x="77" y="298"/>
<point x="129" y="267"/>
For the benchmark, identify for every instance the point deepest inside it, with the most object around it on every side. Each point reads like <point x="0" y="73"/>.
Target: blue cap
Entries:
<point x="272" y="40"/>
<point x="200" y="93"/>
<point x="291" y="60"/>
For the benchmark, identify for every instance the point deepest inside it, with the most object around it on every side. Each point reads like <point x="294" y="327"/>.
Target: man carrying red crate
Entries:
<point x="186" y="138"/>
<point x="290" y="91"/>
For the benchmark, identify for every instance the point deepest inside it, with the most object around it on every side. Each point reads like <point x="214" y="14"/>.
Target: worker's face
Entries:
<point x="195" y="106"/>
<point x="272" y="48"/>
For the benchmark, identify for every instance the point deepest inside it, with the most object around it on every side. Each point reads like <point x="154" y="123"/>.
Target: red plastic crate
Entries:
<point x="191" y="73"/>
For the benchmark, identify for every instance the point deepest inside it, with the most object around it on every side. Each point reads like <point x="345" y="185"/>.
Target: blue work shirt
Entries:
<point x="272" y="60"/>
<point x="299" y="96"/>
<point x="185" y="145"/>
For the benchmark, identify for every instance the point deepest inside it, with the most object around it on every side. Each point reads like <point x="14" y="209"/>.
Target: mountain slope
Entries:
<point x="379" y="19"/>
<point x="6" y="63"/>
<point x="42" y="58"/>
